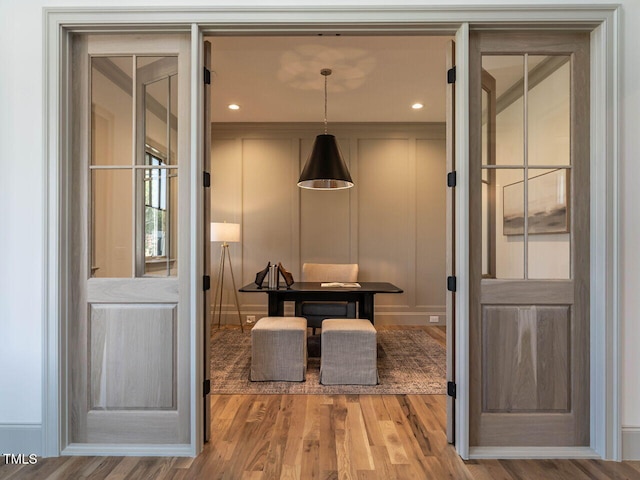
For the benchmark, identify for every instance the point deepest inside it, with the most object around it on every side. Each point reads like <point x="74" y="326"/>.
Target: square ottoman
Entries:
<point x="349" y="352"/>
<point x="279" y="349"/>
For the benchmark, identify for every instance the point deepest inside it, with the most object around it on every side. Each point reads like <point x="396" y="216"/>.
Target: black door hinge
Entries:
<point x="206" y="282"/>
<point x="206" y="179"/>
<point x="451" y="75"/>
<point x="451" y="389"/>
<point x="206" y="387"/>
<point x="452" y="179"/>
<point x="207" y="76"/>
<point x="451" y="283"/>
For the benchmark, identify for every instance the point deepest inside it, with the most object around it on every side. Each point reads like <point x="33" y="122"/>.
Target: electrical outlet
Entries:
<point x="251" y="319"/>
<point x="434" y="319"/>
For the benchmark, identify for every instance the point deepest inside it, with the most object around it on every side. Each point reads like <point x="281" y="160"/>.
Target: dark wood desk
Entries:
<point x="312" y="291"/>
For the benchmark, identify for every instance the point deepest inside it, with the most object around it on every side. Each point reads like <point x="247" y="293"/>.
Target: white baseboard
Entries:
<point x="477" y="453"/>
<point x="21" y="438"/>
<point x="630" y="443"/>
<point x="230" y="316"/>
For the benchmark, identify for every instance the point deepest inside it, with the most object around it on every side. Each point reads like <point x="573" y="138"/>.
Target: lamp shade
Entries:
<point x="225" y="232"/>
<point x="325" y="169"/>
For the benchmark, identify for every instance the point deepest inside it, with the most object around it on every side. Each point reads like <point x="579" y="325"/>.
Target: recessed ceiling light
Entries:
<point x="233" y="106"/>
<point x="417" y="106"/>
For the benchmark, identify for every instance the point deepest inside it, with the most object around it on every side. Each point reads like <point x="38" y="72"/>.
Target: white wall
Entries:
<point x="22" y="193"/>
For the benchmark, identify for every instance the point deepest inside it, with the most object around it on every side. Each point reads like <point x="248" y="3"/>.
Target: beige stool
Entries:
<point x="349" y="352"/>
<point x="279" y="349"/>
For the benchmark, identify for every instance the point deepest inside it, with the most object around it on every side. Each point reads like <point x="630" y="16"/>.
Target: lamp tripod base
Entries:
<point x="217" y="304"/>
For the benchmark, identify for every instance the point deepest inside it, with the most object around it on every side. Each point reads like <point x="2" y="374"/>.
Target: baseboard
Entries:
<point x="477" y="453"/>
<point x="630" y="443"/>
<point x="128" y="450"/>
<point x="230" y="316"/>
<point x="21" y="438"/>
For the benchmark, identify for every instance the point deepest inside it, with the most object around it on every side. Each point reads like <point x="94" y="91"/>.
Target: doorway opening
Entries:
<point x="387" y="106"/>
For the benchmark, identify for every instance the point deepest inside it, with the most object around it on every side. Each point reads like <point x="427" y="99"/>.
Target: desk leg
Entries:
<point x="365" y="306"/>
<point x="276" y="306"/>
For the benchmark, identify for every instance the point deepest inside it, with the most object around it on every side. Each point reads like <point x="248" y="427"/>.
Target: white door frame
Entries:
<point x="605" y="197"/>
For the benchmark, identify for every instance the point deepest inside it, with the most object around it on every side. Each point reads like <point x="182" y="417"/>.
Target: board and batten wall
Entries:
<point x="392" y="222"/>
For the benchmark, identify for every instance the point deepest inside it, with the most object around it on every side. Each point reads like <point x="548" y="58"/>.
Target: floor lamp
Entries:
<point x="225" y="232"/>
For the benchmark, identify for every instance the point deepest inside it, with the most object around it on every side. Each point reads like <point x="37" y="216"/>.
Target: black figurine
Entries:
<point x="261" y="275"/>
<point x="288" y="278"/>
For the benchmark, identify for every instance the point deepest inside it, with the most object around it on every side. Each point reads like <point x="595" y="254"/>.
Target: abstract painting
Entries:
<point x="548" y="210"/>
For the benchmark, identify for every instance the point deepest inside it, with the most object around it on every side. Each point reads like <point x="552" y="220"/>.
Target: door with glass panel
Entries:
<point x="128" y="322"/>
<point x="529" y="239"/>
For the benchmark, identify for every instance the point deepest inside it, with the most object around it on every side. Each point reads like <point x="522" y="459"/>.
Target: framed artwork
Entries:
<point x="548" y="207"/>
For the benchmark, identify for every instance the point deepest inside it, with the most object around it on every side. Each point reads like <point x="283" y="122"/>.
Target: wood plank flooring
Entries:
<point x="393" y="437"/>
<point x="325" y="437"/>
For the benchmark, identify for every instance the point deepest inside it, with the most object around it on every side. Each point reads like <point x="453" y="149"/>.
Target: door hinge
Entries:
<point x="451" y="389"/>
<point x="206" y="387"/>
<point x="452" y="179"/>
<point x="451" y="283"/>
<point x="451" y="75"/>
<point x="206" y="282"/>
<point x="207" y="76"/>
<point x="206" y="179"/>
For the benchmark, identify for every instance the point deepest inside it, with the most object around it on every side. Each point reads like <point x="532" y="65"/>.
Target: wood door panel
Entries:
<point x="529" y="337"/>
<point x="128" y="339"/>
<point x="147" y="427"/>
<point x="525" y="358"/>
<point x="133" y="356"/>
<point x="111" y="290"/>
<point x="548" y="292"/>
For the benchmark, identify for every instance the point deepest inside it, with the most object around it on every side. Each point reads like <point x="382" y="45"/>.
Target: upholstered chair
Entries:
<point x="315" y="312"/>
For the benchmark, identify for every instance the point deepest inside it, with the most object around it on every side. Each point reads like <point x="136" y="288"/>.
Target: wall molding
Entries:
<point x="630" y="443"/>
<point x="23" y="438"/>
<point x="414" y="154"/>
<point x="431" y="130"/>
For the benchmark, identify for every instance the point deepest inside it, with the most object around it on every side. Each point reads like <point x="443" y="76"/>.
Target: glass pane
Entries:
<point x="508" y="73"/>
<point x="160" y="217"/>
<point x="173" y="131"/>
<point x="508" y="222"/>
<point x="158" y="79"/>
<point x="485" y="130"/>
<point x="487" y="270"/>
<point x="549" y="110"/>
<point x="111" y="213"/>
<point x="111" y="110"/>
<point x="549" y="224"/>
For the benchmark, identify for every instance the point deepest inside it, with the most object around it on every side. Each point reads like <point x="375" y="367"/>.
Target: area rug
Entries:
<point x="409" y="362"/>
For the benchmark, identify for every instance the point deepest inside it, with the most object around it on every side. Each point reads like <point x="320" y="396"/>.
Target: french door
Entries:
<point x="529" y="239"/>
<point x="128" y="316"/>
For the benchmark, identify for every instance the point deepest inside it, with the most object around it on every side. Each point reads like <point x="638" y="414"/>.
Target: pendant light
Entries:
<point x="325" y="169"/>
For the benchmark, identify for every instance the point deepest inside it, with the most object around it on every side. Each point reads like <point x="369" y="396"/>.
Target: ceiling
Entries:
<point x="374" y="79"/>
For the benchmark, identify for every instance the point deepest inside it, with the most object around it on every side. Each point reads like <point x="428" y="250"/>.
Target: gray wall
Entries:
<point x="392" y="222"/>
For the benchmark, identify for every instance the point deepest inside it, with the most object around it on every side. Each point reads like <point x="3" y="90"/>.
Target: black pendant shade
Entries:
<point x="325" y="168"/>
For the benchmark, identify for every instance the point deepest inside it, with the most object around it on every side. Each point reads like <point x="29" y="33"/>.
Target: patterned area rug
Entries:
<point x="409" y="362"/>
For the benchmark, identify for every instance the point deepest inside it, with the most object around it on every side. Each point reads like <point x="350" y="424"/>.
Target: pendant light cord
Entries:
<point x="325" y="72"/>
<point x="325" y="104"/>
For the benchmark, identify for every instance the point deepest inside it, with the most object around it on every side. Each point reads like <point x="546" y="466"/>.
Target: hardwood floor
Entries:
<point x="323" y="437"/>
<point x="260" y="437"/>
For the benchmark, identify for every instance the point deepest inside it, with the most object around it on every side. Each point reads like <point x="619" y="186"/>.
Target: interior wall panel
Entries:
<point x="324" y="218"/>
<point x="383" y="219"/>
<point x="431" y="216"/>
<point x="268" y="213"/>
